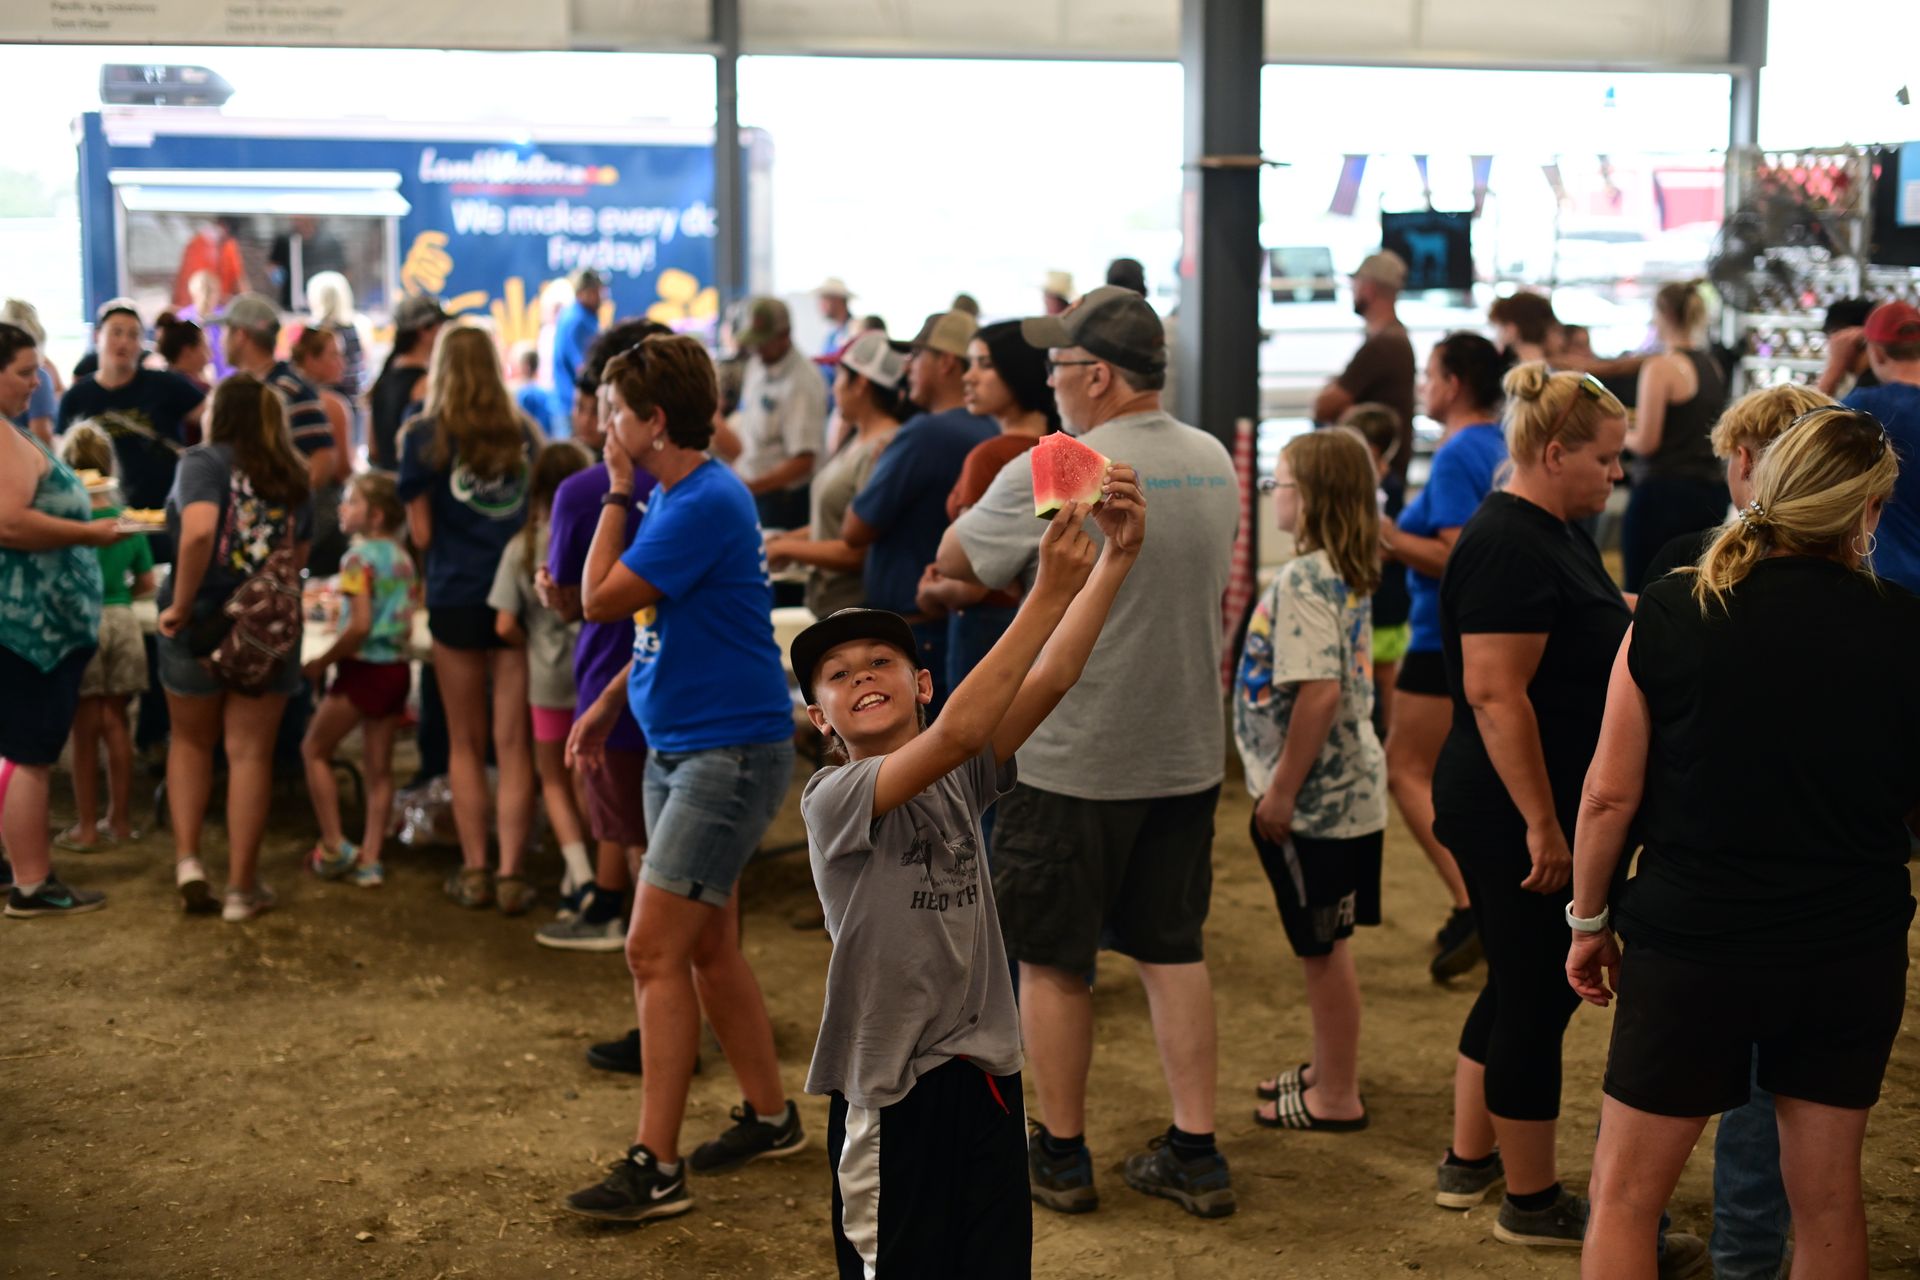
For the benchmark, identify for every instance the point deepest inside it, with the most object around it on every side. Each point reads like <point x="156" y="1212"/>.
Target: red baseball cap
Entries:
<point x="1893" y="322"/>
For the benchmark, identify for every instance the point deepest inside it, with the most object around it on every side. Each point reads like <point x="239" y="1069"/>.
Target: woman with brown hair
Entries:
<point x="1678" y="484"/>
<point x="236" y="500"/>
<point x="1767" y="923"/>
<point x="465" y="465"/>
<point x="707" y="684"/>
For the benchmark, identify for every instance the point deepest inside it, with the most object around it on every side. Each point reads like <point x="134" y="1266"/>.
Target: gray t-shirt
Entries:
<point x="550" y="639"/>
<point x="783" y="413"/>
<point x="919" y="970"/>
<point x="1145" y="719"/>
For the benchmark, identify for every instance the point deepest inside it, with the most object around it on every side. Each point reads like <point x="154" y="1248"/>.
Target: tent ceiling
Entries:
<point x="1652" y="33"/>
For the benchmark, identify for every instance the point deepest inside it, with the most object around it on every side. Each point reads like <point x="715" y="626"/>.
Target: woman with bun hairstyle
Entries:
<point x="1678" y="484"/>
<point x="1006" y="380"/>
<point x="1770" y="909"/>
<point x="1529" y="620"/>
<point x="1461" y="391"/>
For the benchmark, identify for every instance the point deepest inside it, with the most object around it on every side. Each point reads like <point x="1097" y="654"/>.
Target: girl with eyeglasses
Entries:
<point x="1767" y="924"/>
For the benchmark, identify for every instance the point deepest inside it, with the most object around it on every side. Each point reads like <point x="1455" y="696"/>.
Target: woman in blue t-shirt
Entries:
<point x="1461" y="391"/>
<point x="464" y="469"/>
<point x="708" y="687"/>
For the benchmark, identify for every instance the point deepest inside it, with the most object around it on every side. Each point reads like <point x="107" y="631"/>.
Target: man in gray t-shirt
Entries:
<point x="1107" y="838"/>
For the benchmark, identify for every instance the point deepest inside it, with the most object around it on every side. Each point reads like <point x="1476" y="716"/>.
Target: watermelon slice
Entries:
<point x="1064" y="470"/>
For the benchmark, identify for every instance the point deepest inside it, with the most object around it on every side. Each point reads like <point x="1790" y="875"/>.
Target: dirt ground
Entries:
<point x="382" y="1085"/>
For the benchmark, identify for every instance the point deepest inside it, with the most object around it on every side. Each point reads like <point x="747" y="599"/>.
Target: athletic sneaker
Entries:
<point x="196" y="895"/>
<point x="1682" y="1255"/>
<point x="368" y="876"/>
<point x="1063" y="1184"/>
<point x="633" y="1191"/>
<point x="622" y="1055"/>
<point x="53" y="899"/>
<point x="331" y="864"/>
<point x="6" y="872"/>
<point x="243" y="905"/>
<point x="751" y="1138"/>
<point x="581" y="934"/>
<point x="1459" y="946"/>
<point x="1561" y="1225"/>
<point x="1201" y="1186"/>
<point x="1462" y="1186"/>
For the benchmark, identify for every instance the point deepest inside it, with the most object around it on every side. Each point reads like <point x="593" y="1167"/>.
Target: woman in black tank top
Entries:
<point x="1678" y="484"/>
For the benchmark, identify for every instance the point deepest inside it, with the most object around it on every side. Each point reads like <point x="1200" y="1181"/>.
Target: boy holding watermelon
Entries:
<point x="919" y="1043"/>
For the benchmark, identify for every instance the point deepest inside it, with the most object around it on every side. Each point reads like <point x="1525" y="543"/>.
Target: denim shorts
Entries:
<point x="186" y="676"/>
<point x="706" y="812"/>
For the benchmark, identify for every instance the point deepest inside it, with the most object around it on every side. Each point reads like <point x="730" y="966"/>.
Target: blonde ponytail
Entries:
<point x="1811" y="493"/>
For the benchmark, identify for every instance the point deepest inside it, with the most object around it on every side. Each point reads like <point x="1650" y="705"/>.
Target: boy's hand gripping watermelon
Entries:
<point x="1064" y="470"/>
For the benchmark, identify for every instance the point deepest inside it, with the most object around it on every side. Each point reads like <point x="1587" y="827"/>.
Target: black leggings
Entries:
<point x="1515" y="1028"/>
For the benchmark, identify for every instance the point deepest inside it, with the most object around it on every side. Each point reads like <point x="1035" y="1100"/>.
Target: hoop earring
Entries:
<point x="1873" y="544"/>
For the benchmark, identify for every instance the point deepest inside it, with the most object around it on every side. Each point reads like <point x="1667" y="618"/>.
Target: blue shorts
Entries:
<point x="706" y="812"/>
<point x="186" y="676"/>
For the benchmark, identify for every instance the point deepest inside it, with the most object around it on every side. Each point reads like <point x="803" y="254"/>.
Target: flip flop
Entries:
<point x="1291" y="1081"/>
<point x="1290" y="1112"/>
<point x="68" y="842"/>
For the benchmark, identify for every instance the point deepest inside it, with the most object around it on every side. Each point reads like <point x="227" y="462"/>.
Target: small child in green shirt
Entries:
<point x="118" y="670"/>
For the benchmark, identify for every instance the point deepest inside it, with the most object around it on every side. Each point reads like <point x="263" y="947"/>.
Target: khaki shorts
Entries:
<point x="119" y="667"/>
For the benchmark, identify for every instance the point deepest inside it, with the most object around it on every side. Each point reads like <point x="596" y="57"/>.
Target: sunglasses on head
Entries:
<point x="1862" y="424"/>
<point x="1592" y="388"/>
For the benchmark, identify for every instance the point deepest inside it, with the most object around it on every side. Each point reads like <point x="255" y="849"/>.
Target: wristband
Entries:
<point x="615" y="498"/>
<point x="1588" y="924"/>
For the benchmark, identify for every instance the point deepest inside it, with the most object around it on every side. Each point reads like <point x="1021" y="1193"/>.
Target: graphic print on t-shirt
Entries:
<point x="497" y="499"/>
<point x="252" y="525"/>
<point x="951" y="865"/>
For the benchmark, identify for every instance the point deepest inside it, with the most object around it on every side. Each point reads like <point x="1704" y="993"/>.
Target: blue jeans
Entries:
<point x="970" y="634"/>
<point x="1750" y="1212"/>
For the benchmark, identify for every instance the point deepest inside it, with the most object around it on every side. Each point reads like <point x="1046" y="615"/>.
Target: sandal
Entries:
<point x="1292" y="1081"/>
<point x="471" y="887"/>
<point x="1290" y="1112"/>
<point x="69" y="841"/>
<point x="515" y="895"/>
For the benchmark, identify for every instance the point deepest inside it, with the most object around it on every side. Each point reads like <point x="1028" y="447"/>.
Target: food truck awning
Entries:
<point x="353" y="193"/>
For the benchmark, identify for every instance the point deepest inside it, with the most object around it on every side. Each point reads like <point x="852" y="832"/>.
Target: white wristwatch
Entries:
<point x="1588" y="924"/>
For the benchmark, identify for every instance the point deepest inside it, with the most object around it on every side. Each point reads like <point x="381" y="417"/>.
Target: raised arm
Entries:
<point x="609" y="590"/>
<point x="974" y="714"/>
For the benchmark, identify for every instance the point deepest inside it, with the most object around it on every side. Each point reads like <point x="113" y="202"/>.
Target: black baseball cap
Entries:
<point x="1113" y="323"/>
<point x="841" y="627"/>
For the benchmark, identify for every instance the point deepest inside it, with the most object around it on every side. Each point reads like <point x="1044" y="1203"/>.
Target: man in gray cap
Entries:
<point x="782" y="419"/>
<point x="1381" y="372"/>
<point x="1107" y="840"/>
<point x="901" y="512"/>
<point x="574" y="331"/>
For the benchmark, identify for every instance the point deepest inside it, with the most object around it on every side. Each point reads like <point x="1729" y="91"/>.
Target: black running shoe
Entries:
<point x="633" y="1191"/>
<point x="751" y="1138"/>
<point x="1202" y="1187"/>
<point x="1063" y="1184"/>
<point x="53" y="899"/>
<point x="6" y="872"/>
<point x="622" y="1055"/>
<point x="1459" y="943"/>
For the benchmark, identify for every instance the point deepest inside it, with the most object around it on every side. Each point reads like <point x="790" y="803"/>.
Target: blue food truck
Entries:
<point x="484" y="216"/>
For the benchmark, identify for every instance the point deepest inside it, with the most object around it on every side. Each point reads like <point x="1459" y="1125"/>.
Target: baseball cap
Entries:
<point x="586" y="278"/>
<point x="421" y="311"/>
<point x="841" y="627"/>
<point x="251" y="313"/>
<point x="767" y="318"/>
<point x="1386" y="267"/>
<point x="1058" y="283"/>
<point x="947" y="331"/>
<point x="872" y="356"/>
<point x="1893" y="322"/>
<point x="1113" y="323"/>
<point x="114" y="307"/>
<point x="833" y="287"/>
<point x="1128" y="274"/>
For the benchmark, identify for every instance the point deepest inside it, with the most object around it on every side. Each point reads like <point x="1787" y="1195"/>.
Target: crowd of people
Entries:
<point x="1021" y="720"/>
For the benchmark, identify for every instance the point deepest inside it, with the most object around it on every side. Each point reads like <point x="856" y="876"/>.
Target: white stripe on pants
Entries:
<point x="859" y="1175"/>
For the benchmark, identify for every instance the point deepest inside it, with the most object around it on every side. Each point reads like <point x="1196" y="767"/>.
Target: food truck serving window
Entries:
<point x="266" y="230"/>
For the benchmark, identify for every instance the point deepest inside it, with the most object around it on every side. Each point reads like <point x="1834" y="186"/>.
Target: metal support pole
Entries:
<point x="1747" y="51"/>
<point x="730" y="246"/>
<point x="1222" y="49"/>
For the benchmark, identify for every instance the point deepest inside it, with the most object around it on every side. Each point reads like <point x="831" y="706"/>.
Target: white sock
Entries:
<point x="188" y="869"/>
<point x="26" y="890"/>
<point x="668" y="1169"/>
<point x="579" y="866"/>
